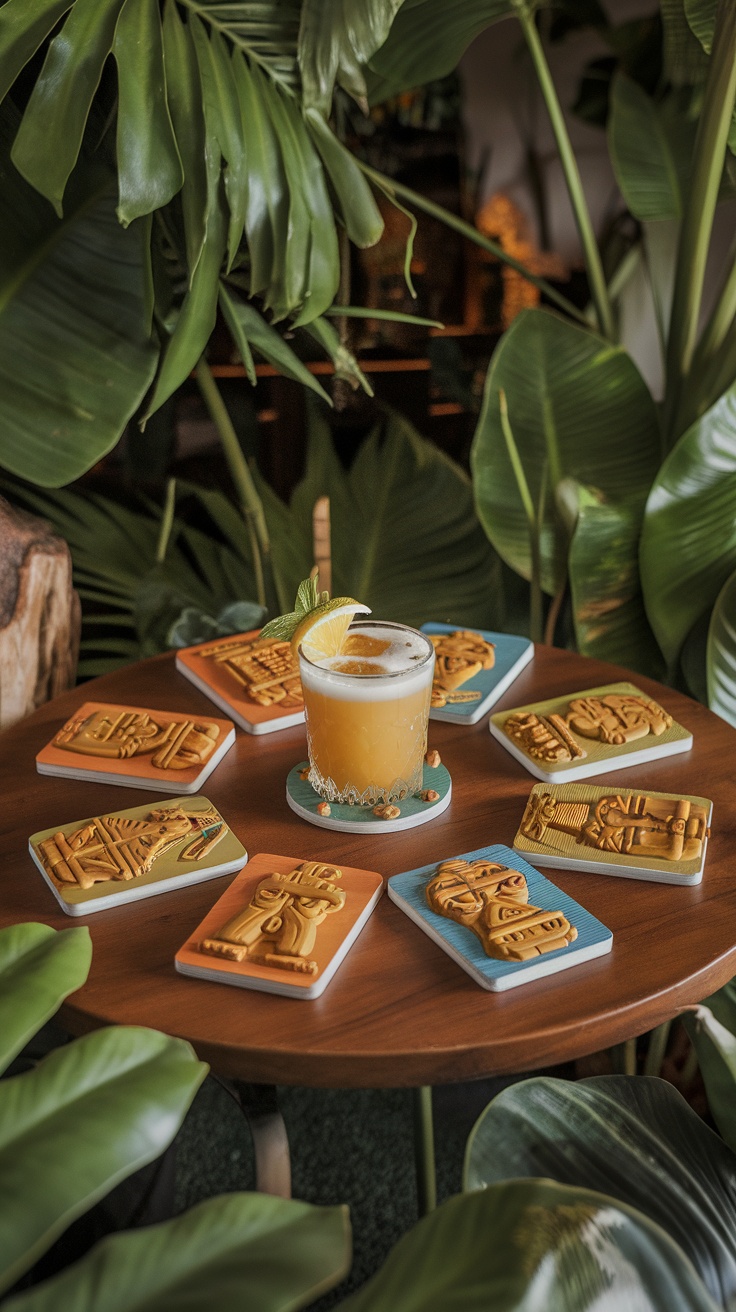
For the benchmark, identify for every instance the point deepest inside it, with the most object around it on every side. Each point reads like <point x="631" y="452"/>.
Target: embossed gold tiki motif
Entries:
<point x="668" y="828"/>
<point x="118" y="734"/>
<point x="266" y="671"/>
<point x="617" y="718"/>
<point x="493" y="902"/>
<point x="459" y="656"/>
<point x="279" y="925"/>
<point x="112" y="847"/>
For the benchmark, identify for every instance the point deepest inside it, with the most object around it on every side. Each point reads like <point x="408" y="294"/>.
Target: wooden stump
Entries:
<point x="40" y="614"/>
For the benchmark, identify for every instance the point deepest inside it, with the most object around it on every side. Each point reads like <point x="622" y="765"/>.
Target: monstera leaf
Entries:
<point x="635" y="1139"/>
<point x="534" y="1244"/>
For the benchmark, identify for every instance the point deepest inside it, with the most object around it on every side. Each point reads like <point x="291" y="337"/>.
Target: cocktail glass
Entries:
<point x="367" y="730"/>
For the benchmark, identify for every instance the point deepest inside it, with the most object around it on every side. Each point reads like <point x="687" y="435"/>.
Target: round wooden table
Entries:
<point x="399" y="1011"/>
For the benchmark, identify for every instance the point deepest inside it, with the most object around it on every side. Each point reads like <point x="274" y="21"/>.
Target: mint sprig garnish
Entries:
<point x="308" y="597"/>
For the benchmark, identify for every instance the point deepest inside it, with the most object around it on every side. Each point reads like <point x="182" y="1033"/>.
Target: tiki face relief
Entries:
<point x="493" y="902"/>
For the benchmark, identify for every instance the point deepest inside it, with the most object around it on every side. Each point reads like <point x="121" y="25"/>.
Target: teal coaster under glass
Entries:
<point x="304" y="801"/>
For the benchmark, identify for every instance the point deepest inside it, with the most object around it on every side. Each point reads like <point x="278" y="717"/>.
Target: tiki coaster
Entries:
<point x="617" y="831"/>
<point x="589" y="733"/>
<point x="498" y="918"/>
<point x="257" y="683"/>
<point x="283" y="926"/>
<point x="416" y="809"/>
<point x="137" y="748"/>
<point x="473" y="668"/>
<point x="122" y="856"/>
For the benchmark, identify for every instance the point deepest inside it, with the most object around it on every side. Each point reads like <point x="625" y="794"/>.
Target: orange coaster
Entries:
<point x="137" y="747"/>
<point x="283" y="926"/>
<point x="258" y="685"/>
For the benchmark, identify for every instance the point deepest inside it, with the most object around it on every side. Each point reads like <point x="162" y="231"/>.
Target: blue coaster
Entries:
<point x="304" y="801"/>
<point x="593" y="940"/>
<point x="511" y="655"/>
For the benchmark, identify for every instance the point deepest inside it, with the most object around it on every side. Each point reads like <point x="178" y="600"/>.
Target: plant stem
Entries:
<point x="167" y="521"/>
<point x="250" y="502"/>
<point x="392" y="188"/>
<point x="721" y="318"/>
<point x="692" y="252"/>
<point x="596" y="276"/>
<point x="535" y="582"/>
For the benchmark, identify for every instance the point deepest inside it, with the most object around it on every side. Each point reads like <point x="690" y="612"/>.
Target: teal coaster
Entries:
<point x="304" y="801"/>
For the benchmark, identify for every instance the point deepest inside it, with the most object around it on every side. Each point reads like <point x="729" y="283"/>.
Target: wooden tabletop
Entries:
<point x="399" y="1011"/>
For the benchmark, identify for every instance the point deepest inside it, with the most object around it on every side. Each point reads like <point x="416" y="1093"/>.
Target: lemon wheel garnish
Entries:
<point x="318" y="624"/>
<point x="322" y="632"/>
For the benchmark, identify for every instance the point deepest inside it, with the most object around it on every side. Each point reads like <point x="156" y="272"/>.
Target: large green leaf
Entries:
<point x="685" y="61"/>
<point x="337" y="37"/>
<point x="651" y="145"/>
<point x="360" y="214"/>
<point x="50" y="136"/>
<point x="534" y="1246"/>
<point x="405" y="538"/>
<point x="635" y="1139"/>
<point x="75" y="356"/>
<point x="230" y="1252"/>
<point x="721" y="653"/>
<point x="427" y="39"/>
<point x="607" y="602"/>
<point x="149" y="167"/>
<point x="712" y="1029"/>
<point x="88" y="1116"/>
<point x="222" y="116"/>
<point x="249" y="328"/>
<point x="184" y="95"/>
<point x="578" y="408"/>
<point x="23" y="26"/>
<point x="688" y="543"/>
<point x="38" y="969"/>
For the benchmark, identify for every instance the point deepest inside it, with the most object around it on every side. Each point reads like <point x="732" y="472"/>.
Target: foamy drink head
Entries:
<point x="377" y="660"/>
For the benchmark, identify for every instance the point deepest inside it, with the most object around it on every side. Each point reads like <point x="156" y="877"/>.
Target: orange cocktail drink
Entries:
<point x="367" y="712"/>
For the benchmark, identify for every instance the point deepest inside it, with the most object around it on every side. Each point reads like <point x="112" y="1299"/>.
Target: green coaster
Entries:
<point x="362" y="819"/>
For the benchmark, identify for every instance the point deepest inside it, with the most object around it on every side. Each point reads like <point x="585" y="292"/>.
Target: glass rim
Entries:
<point x="365" y="622"/>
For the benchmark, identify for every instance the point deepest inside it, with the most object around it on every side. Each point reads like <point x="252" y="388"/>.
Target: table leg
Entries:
<point x="260" y="1107"/>
<point x="424" y="1150"/>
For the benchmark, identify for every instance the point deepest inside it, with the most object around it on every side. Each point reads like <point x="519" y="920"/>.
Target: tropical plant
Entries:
<point x="406" y="540"/>
<point x="90" y="1114"/>
<point x="632" y="1143"/>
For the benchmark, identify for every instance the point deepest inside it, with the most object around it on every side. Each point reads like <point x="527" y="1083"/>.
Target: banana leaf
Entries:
<point x="427" y="39"/>
<point x="229" y="1252"/>
<point x="712" y="1030"/>
<point x="721" y="653"/>
<point x="688" y="542"/>
<point x="651" y="145"/>
<point x="75" y="355"/>
<point x="534" y="1246"/>
<point x="635" y="1139"/>
<point x="603" y="567"/>
<point x="87" y="1116"/>
<point x="38" y="969"/>
<point x="578" y="409"/>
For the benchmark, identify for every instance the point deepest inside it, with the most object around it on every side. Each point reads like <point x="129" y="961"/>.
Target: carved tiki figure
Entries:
<point x="614" y="719"/>
<point x="459" y="656"/>
<point x="493" y="902"/>
<point x="279" y="925"/>
<point x="120" y="848"/>
<point x="668" y="828"/>
<point x="266" y="671"/>
<point x="118" y="734"/>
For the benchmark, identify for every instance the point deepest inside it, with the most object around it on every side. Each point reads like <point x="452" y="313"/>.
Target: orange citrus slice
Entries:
<point x="322" y="631"/>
